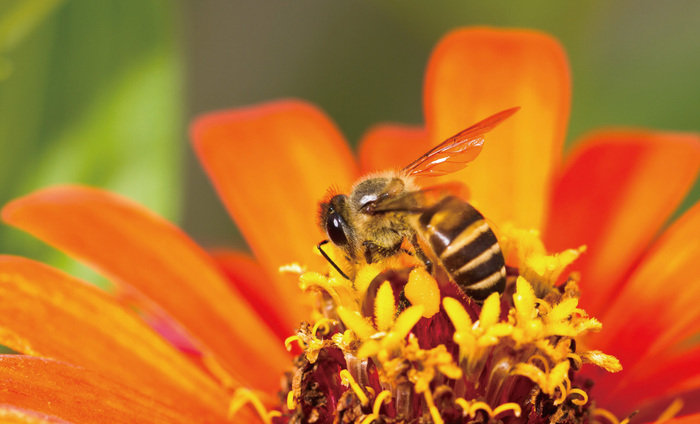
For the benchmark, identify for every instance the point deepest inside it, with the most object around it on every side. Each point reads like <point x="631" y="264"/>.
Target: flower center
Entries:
<point x="398" y="345"/>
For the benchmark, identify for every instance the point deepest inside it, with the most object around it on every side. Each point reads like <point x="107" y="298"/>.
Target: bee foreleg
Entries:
<point x="375" y="251"/>
<point x="420" y="254"/>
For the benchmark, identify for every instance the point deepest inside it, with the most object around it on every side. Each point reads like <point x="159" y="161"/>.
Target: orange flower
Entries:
<point x="89" y="358"/>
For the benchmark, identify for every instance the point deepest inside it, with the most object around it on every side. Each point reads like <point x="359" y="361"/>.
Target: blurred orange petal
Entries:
<point x="663" y="378"/>
<point x="686" y="419"/>
<point x="140" y="249"/>
<point x="105" y="336"/>
<point x="78" y="395"/>
<point x="474" y="73"/>
<point x="614" y="193"/>
<point x="250" y="280"/>
<point x="271" y="164"/>
<point x="12" y="415"/>
<point x="656" y="311"/>
<point x="392" y="146"/>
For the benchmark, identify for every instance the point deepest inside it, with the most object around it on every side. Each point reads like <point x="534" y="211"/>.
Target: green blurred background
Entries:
<point x="100" y="92"/>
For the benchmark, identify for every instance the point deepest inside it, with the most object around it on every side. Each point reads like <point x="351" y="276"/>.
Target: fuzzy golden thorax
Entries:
<point x="363" y="233"/>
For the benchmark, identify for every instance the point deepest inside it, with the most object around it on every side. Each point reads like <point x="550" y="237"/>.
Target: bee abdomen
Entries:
<point x="466" y="247"/>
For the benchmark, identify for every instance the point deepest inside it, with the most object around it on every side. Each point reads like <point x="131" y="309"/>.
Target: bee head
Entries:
<point x="333" y="220"/>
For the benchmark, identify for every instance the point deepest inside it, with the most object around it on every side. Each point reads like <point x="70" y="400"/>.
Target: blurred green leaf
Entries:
<point x="94" y="97"/>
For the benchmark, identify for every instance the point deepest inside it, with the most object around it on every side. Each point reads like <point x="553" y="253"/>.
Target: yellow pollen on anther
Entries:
<point x="291" y="402"/>
<point x="422" y="289"/>
<point x="384" y="307"/>
<point x="490" y="312"/>
<point x="347" y="379"/>
<point x="356" y="323"/>
<point x="608" y="362"/>
<point x="243" y="396"/>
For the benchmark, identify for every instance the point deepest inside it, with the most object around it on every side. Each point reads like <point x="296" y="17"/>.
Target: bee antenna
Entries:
<point x="330" y="260"/>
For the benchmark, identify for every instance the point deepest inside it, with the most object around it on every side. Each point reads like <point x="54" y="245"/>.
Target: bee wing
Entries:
<point x="420" y="200"/>
<point x="457" y="151"/>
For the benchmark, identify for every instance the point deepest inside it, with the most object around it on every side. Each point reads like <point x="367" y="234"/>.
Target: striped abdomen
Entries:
<point x="466" y="247"/>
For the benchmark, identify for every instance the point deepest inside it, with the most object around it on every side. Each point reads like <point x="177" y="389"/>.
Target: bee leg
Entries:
<point x="373" y="250"/>
<point x="402" y="303"/>
<point x="421" y="254"/>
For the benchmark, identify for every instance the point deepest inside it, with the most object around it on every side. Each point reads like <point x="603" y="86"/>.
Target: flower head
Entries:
<point x="596" y="321"/>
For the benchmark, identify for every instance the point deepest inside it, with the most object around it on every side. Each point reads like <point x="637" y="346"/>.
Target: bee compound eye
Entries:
<point x="334" y="227"/>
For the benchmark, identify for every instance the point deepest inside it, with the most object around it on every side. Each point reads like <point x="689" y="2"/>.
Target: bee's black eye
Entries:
<point x="334" y="227"/>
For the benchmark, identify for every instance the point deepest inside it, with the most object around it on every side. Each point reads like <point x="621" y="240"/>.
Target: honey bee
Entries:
<point x="385" y="210"/>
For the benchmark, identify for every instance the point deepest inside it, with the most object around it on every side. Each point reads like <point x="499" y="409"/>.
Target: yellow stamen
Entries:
<point x="459" y="317"/>
<point x="291" y="402"/>
<point x="384" y="307"/>
<point x="480" y="405"/>
<point x="562" y="394"/>
<point x="288" y="342"/>
<point x="542" y="359"/>
<point x="581" y="393"/>
<point x="347" y="379"/>
<point x="576" y="358"/>
<point x="215" y="367"/>
<point x="408" y="318"/>
<point x="422" y="289"/>
<point x="608" y="362"/>
<point x="370" y="390"/>
<point x="510" y="406"/>
<point x="356" y="323"/>
<point x="600" y="412"/>
<point x="562" y="310"/>
<point x="437" y="419"/>
<point x="673" y="409"/>
<point x="384" y="395"/>
<point x="464" y="404"/>
<point x="491" y="311"/>
<point x="524" y="301"/>
<point x="243" y="396"/>
<point x="325" y="323"/>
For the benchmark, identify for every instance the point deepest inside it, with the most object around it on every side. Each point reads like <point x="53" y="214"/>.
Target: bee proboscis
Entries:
<point x="385" y="210"/>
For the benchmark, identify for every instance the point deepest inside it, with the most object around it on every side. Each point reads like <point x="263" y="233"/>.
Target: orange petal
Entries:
<point x="392" y="146"/>
<point x="137" y="248"/>
<point x="248" y="278"/>
<point x="685" y="419"/>
<point x="271" y="164"/>
<point x="78" y="395"/>
<point x="89" y="329"/>
<point x="650" y="325"/>
<point x="474" y="73"/>
<point x="12" y="415"/>
<point x="615" y="192"/>
<point x="673" y="376"/>
<point x="659" y="301"/>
